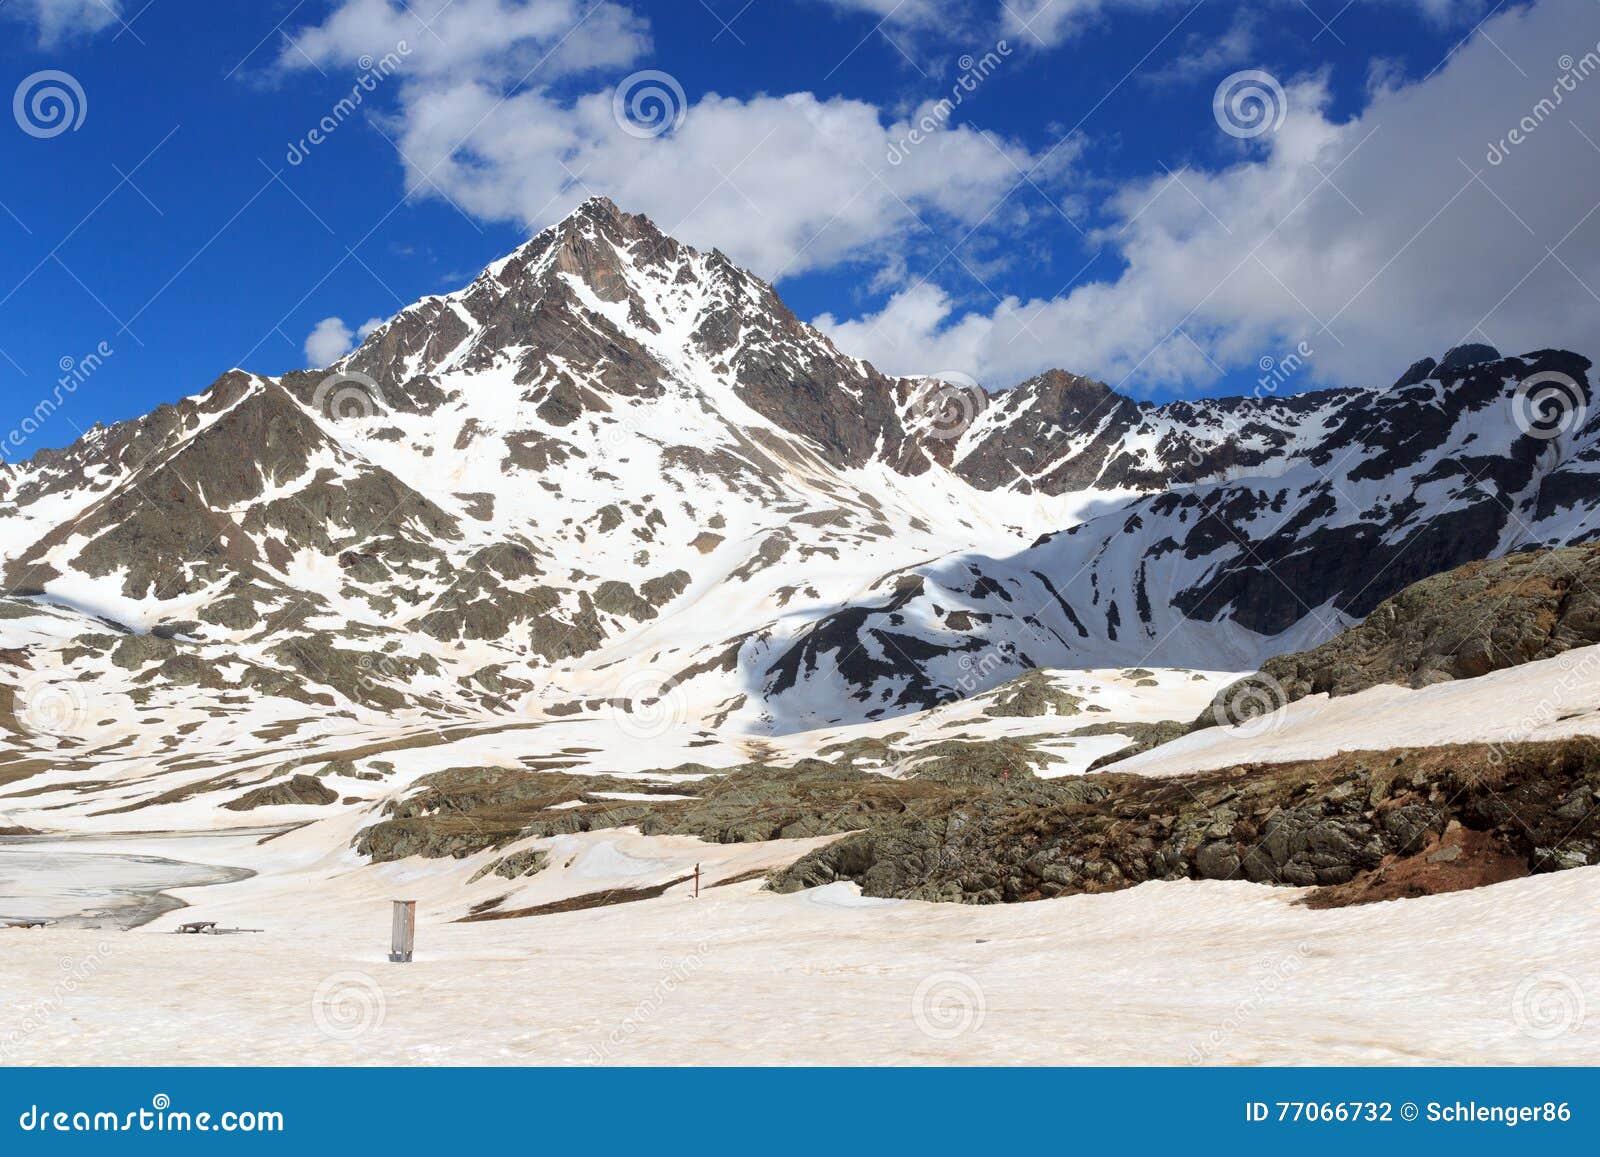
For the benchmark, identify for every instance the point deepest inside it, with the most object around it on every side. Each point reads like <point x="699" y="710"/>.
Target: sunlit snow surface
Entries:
<point x="1218" y="973"/>
<point x="128" y="772"/>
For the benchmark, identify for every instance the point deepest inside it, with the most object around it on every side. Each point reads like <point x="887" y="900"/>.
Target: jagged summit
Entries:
<point x="613" y="456"/>
<point x="1469" y="354"/>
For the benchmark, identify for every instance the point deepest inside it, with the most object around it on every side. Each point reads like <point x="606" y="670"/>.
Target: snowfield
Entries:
<point x="1166" y="973"/>
<point x="1551" y="699"/>
<point x="613" y="510"/>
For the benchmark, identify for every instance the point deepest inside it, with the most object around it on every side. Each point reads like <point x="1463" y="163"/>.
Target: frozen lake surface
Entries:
<point x="70" y="882"/>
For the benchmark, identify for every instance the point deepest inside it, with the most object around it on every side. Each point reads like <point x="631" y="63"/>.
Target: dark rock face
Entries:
<point x="1470" y="354"/>
<point x="1481" y="617"/>
<point x="1419" y="371"/>
<point x="1360" y="827"/>
<point x="467" y="810"/>
<point x="299" y="789"/>
<point x="972" y="823"/>
<point x="1368" y="492"/>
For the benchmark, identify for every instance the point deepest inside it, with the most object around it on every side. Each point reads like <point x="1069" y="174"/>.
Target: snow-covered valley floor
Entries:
<point x="1166" y="973"/>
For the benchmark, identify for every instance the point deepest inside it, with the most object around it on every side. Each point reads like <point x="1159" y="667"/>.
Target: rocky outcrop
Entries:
<point x="468" y="810"/>
<point x="1478" y="618"/>
<point x="1030" y="696"/>
<point x="1144" y="736"/>
<point x="973" y="822"/>
<point x="297" y="790"/>
<point x="1359" y="827"/>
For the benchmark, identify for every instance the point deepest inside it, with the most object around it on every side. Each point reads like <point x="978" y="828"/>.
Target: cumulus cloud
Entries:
<point x="1045" y="23"/>
<point x="330" y="339"/>
<point x="783" y="184"/>
<point x="1376" y="240"/>
<point x="57" y="20"/>
<point x="484" y="40"/>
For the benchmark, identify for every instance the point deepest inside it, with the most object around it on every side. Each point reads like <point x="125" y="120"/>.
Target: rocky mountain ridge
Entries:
<point x="614" y="473"/>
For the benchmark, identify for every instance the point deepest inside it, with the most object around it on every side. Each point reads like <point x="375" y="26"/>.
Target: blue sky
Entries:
<point x="1084" y="206"/>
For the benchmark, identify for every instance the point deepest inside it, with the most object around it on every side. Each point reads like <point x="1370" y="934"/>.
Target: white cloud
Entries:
<point x="484" y="40"/>
<point x="1045" y="23"/>
<point x="330" y="339"/>
<point x="904" y="12"/>
<point x="1209" y="55"/>
<point x="781" y="183"/>
<point x="1371" y="239"/>
<point x="56" y="20"/>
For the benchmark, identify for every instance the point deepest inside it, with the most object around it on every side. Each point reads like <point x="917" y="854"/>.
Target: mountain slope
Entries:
<point x="616" y="474"/>
<point x="1370" y="493"/>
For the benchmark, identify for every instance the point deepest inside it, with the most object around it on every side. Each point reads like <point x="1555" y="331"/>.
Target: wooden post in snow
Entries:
<point x="697" y="881"/>
<point x="403" y="937"/>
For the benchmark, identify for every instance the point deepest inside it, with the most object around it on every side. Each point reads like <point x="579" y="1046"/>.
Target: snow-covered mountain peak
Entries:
<point x="613" y="459"/>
